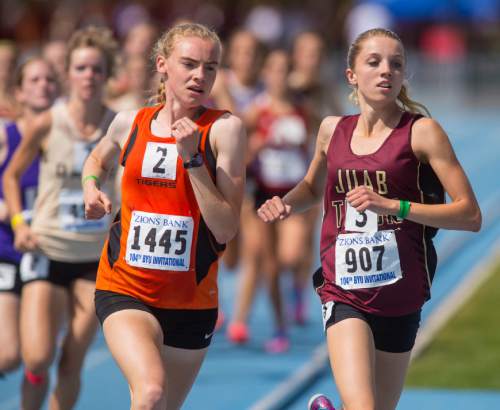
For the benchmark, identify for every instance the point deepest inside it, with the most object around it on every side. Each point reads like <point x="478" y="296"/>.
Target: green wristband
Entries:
<point x="88" y="177"/>
<point x="404" y="209"/>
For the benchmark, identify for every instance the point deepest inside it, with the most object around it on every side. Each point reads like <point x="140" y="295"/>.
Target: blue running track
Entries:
<point x="236" y="378"/>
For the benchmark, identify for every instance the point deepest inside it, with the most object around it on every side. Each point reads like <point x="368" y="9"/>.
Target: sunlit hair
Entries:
<point x="165" y="45"/>
<point x="100" y="38"/>
<point x="21" y="69"/>
<point x="8" y="44"/>
<point x="403" y="99"/>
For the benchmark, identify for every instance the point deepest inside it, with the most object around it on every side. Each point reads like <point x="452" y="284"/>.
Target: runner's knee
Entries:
<point x="148" y="395"/>
<point x="10" y="358"/>
<point x="38" y="362"/>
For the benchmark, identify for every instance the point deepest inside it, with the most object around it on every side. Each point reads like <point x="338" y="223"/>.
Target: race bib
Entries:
<point x="367" y="260"/>
<point x="34" y="266"/>
<point x="366" y="221"/>
<point x="81" y="151"/>
<point x="7" y="276"/>
<point x="29" y="201"/>
<point x="72" y="213"/>
<point x="288" y="129"/>
<point x="158" y="241"/>
<point x="282" y="167"/>
<point x="160" y="161"/>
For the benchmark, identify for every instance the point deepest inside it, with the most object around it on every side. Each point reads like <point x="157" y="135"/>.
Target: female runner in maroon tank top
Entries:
<point x="382" y="174"/>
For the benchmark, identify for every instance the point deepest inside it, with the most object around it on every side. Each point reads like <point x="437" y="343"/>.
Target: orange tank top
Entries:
<point x="159" y="249"/>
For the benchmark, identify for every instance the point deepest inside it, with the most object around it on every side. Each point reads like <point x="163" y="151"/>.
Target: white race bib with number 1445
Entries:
<point x="158" y="241"/>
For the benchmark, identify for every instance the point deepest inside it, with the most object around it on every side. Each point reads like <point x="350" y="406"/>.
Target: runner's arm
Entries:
<point x="220" y="204"/>
<point x="26" y="152"/>
<point x="431" y="145"/>
<point x="100" y="161"/>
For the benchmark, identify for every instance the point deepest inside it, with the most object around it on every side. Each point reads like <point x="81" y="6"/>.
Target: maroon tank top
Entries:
<point x="389" y="270"/>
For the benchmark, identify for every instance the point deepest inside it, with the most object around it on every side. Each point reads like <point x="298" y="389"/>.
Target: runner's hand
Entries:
<point x="24" y="239"/>
<point x="187" y="137"/>
<point x="274" y="209"/>
<point x="184" y="130"/>
<point x="97" y="203"/>
<point x="362" y="198"/>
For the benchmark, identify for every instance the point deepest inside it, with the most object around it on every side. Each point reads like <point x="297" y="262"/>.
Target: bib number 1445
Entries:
<point x="158" y="241"/>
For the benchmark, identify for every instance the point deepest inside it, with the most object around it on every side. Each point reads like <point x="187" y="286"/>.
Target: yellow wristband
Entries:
<point x="16" y="220"/>
<point x="95" y="178"/>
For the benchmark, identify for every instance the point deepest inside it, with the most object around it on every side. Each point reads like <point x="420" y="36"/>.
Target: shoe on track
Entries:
<point x="320" y="402"/>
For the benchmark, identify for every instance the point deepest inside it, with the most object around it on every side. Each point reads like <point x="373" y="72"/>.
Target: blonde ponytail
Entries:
<point x="410" y="105"/>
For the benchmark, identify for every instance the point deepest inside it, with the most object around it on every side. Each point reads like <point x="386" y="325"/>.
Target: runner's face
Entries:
<point x="378" y="69"/>
<point x="307" y="52"/>
<point x="243" y="56"/>
<point x="191" y="69"/>
<point x="39" y="87"/>
<point x="87" y="73"/>
<point x="275" y="73"/>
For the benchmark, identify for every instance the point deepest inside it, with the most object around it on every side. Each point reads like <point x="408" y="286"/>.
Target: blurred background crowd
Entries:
<point x="457" y="39"/>
<point x="284" y="64"/>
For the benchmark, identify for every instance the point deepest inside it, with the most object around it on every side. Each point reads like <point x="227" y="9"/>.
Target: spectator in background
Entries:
<point x="131" y="86"/>
<point x="139" y="40"/>
<point x="35" y="90"/>
<point x="241" y="80"/>
<point x="316" y="93"/>
<point x="135" y="83"/>
<point x="241" y="77"/>
<point x="278" y="149"/>
<point x="54" y="51"/>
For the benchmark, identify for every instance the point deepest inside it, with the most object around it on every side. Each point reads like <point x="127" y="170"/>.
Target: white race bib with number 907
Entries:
<point x="158" y="241"/>
<point x="367" y="260"/>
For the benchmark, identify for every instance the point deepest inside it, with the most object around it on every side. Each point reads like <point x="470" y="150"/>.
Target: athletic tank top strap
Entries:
<point x="148" y="112"/>
<point x="205" y="123"/>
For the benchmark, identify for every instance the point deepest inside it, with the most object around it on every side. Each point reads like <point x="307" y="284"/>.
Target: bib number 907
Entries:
<point x="367" y="260"/>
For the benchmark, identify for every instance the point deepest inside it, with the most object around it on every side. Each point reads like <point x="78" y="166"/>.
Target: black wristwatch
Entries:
<point x="194" y="162"/>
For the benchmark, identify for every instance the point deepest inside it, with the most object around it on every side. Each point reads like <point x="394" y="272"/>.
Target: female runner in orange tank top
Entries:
<point x="182" y="189"/>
